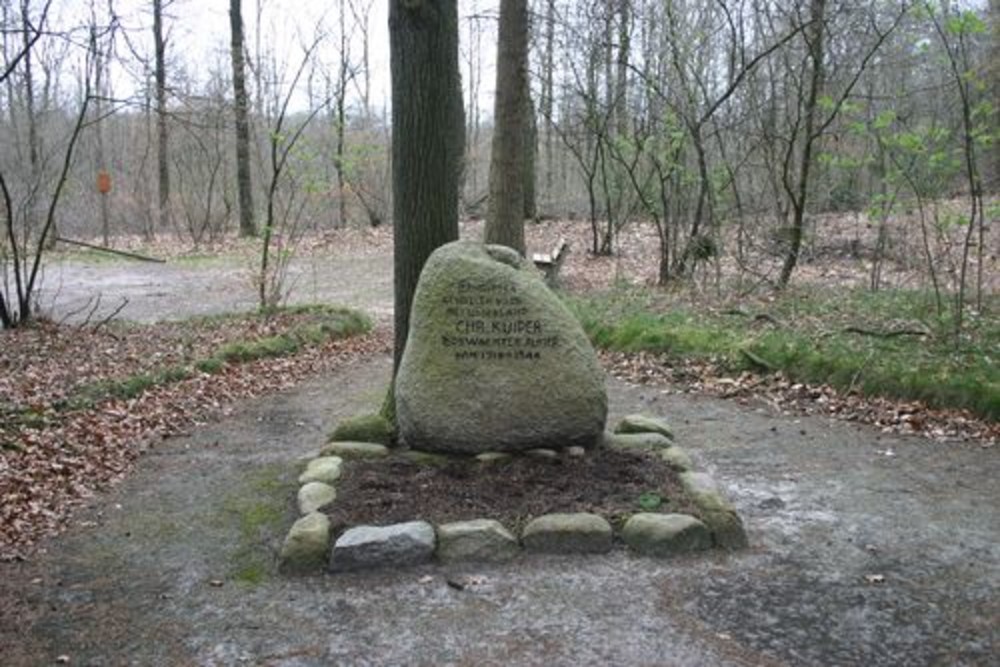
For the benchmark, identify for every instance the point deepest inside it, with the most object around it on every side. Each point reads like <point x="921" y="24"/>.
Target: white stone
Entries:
<point x="306" y="546"/>
<point x="315" y="496"/>
<point x="324" y="469"/>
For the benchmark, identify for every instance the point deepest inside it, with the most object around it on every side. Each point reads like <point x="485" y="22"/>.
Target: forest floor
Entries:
<point x="868" y="546"/>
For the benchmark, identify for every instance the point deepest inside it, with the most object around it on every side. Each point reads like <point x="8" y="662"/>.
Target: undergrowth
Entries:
<point x="890" y="343"/>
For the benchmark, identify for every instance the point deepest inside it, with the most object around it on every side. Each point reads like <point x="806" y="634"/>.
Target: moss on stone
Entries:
<point x="373" y="427"/>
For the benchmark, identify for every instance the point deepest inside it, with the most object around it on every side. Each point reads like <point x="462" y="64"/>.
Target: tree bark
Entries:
<point x="505" y="221"/>
<point x="244" y="182"/>
<point x="162" y="156"/>
<point x="428" y="139"/>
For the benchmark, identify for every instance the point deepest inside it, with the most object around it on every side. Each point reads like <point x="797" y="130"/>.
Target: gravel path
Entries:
<point x="181" y="289"/>
<point x="866" y="549"/>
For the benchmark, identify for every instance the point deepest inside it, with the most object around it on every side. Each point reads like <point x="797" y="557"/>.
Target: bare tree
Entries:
<point x="244" y="178"/>
<point x="22" y="249"/>
<point x="162" y="136"/>
<point x="813" y="121"/>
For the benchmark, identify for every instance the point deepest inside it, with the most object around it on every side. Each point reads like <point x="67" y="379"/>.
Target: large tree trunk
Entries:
<point x="427" y="141"/>
<point x="162" y="157"/>
<point x="244" y="181"/>
<point x="505" y="221"/>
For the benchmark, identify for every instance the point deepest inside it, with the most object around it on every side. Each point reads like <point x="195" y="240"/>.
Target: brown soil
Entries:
<point x="604" y="481"/>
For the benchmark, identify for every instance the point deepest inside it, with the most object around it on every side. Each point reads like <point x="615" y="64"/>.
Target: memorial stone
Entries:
<point x="494" y="361"/>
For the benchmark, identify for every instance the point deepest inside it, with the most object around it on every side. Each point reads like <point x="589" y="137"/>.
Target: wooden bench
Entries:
<point x="550" y="263"/>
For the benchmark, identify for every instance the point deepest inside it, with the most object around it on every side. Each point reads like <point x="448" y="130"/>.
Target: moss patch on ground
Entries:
<point x="892" y="344"/>
<point x="259" y="510"/>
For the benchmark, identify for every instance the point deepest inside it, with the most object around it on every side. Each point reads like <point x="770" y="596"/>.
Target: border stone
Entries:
<point x="426" y="458"/>
<point x="542" y="453"/>
<point x="366" y="547"/>
<point x="493" y="457"/>
<point x="314" y="496"/>
<point x="483" y="540"/>
<point x="677" y="458"/>
<point x="350" y="449"/>
<point x="638" y="423"/>
<point x="716" y="512"/>
<point x="324" y="469"/>
<point x="578" y="533"/>
<point x="663" y="535"/>
<point x="305" y="548"/>
<point x="307" y="544"/>
<point x="650" y="441"/>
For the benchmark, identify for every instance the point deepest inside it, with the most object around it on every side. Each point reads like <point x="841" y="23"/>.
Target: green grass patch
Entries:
<point x="890" y="344"/>
<point x="124" y="388"/>
<point x="319" y="324"/>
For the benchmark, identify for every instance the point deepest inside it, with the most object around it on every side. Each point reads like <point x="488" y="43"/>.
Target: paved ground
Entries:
<point x="866" y="549"/>
<point x="828" y="512"/>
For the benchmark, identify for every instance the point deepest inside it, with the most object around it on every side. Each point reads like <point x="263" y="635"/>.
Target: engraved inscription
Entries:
<point x="489" y="322"/>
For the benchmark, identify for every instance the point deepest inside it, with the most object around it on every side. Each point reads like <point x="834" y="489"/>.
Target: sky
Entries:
<point x="199" y="36"/>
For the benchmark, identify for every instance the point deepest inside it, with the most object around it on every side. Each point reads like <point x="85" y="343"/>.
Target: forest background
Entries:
<point x="732" y="149"/>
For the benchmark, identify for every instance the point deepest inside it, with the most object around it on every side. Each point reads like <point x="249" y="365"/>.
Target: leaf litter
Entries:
<point x="55" y="453"/>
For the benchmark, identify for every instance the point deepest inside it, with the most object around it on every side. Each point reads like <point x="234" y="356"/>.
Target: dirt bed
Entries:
<point x="611" y="483"/>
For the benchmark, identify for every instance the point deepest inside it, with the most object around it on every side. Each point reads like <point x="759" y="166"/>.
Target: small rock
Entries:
<point x="677" y="458"/>
<point x="315" y="496"/>
<point x="703" y="490"/>
<point x="426" y="458"/>
<point x="476" y="540"/>
<point x="568" y="533"/>
<point x="306" y="546"/>
<point x="324" y="469"/>
<point x="349" y="449"/>
<point x="653" y="441"/>
<point x="493" y="457"/>
<point x="665" y="534"/>
<point x="575" y="452"/>
<point x="772" y="503"/>
<point x="542" y="453"/>
<point x="366" y="547"/>
<point x="644" y="424"/>
<point x="716" y="512"/>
